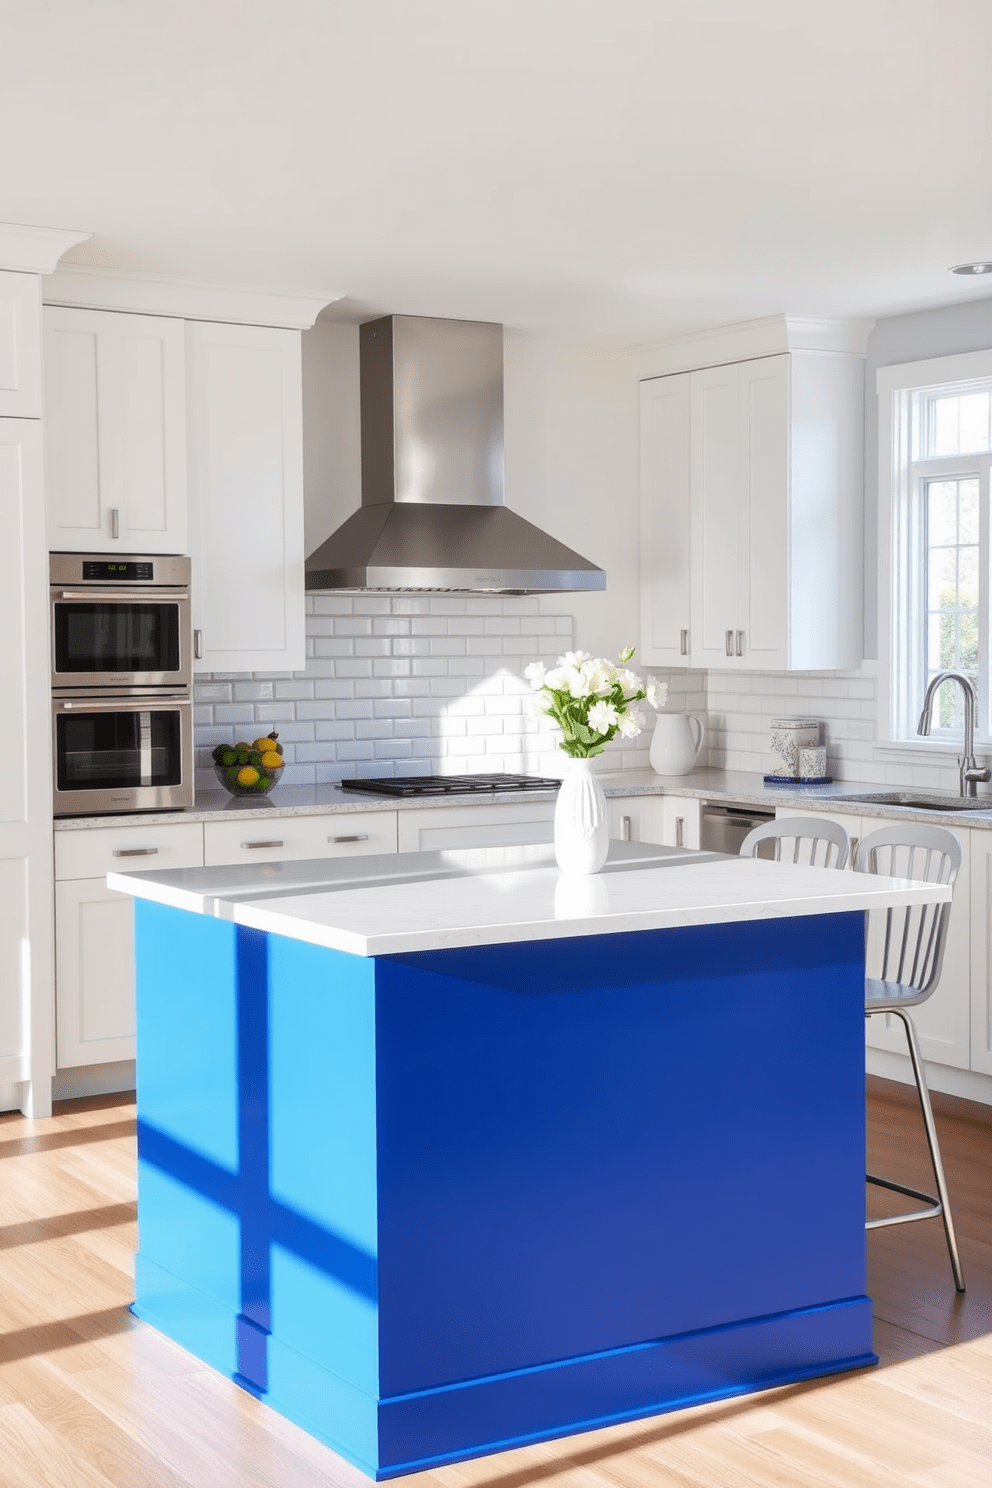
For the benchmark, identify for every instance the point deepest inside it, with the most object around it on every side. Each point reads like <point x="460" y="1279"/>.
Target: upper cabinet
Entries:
<point x="751" y="495"/>
<point x="115" y="432"/>
<point x="245" y="422"/>
<point x="20" y="359"/>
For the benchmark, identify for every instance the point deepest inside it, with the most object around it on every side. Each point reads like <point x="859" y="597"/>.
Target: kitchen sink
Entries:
<point x="920" y="801"/>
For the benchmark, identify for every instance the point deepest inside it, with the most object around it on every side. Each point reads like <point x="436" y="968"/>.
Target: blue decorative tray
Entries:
<point x="796" y="780"/>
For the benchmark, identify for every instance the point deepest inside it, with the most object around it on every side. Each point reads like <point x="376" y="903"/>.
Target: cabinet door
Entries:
<point x="281" y="839"/>
<point x="434" y="827"/>
<point x="665" y="521"/>
<point x="681" y="818"/>
<point x="25" y="804"/>
<point x="716" y="518"/>
<point x="636" y="818"/>
<point x="20" y="346"/>
<point x="115" y="431"/>
<point x="246" y="497"/>
<point x="981" y="951"/>
<point x="94" y="973"/>
<point x="762" y="634"/>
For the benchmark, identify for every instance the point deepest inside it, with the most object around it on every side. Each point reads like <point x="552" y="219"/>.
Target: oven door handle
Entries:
<point x="120" y="704"/>
<point x="93" y="596"/>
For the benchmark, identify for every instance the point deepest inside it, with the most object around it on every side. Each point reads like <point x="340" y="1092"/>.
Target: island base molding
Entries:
<point x="433" y="1205"/>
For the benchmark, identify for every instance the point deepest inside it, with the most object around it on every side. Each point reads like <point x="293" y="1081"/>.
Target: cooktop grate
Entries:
<point x="450" y="785"/>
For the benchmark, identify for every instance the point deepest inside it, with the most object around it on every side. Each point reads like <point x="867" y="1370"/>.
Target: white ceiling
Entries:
<point x="616" y="170"/>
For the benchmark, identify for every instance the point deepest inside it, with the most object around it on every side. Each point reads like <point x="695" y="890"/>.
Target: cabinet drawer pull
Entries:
<point x="135" y="852"/>
<point x="276" y="842"/>
<point x="198" y="644"/>
<point x="730" y="643"/>
<point x="625" y="829"/>
<point x="680" y="831"/>
<point x="115" y="525"/>
<point x="684" y="643"/>
<point x="351" y="837"/>
<point x="740" y="643"/>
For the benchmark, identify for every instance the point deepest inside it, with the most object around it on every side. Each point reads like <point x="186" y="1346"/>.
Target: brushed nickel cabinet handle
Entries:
<point x="135" y="852"/>
<point x="351" y="837"/>
<point x="198" y="644"/>
<point x="679" y="831"/>
<point x="115" y="525"/>
<point x="625" y="829"/>
<point x="684" y="643"/>
<point x="740" y="643"/>
<point x="274" y="843"/>
<point x="730" y="643"/>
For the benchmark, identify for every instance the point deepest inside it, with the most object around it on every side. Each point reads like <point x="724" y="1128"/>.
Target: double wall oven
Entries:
<point x="122" y="660"/>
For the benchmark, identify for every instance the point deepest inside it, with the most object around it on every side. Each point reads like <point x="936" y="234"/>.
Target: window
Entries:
<point x="935" y="541"/>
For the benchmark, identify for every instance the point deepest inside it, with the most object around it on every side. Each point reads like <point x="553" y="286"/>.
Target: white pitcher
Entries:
<point x="676" y="742"/>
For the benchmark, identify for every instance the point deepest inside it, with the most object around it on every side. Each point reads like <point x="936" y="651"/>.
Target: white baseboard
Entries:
<point x="965" y="1083"/>
<point x="93" y="1079"/>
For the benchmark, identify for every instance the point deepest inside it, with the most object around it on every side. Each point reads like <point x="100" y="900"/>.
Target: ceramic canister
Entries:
<point x="789" y="735"/>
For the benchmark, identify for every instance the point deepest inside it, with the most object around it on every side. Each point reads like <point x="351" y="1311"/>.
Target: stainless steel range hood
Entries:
<point x="432" y="513"/>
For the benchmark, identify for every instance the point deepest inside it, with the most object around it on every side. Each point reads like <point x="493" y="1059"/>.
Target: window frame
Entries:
<point x="902" y="549"/>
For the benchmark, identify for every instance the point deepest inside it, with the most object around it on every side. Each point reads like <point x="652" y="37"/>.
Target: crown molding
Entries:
<point x="35" y="250"/>
<point x="743" y="340"/>
<point x="95" y="287"/>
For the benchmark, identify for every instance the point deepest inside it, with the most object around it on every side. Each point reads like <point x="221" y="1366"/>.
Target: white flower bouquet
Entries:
<point x="590" y="699"/>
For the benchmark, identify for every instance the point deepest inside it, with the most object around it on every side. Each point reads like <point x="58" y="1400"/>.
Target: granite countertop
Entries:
<point x="729" y="786"/>
<point x="390" y="904"/>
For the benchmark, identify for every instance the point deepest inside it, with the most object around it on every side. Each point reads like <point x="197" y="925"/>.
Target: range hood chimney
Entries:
<point x="432" y="513"/>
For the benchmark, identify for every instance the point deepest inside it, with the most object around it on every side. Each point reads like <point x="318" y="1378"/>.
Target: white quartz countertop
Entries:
<point x="492" y="896"/>
<point x="732" y="786"/>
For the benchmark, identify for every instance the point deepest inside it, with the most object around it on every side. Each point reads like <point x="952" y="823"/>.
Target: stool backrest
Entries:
<point x="911" y="945"/>
<point x="806" y="840"/>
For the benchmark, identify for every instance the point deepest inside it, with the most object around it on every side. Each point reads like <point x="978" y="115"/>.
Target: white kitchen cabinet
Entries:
<point x="981" y="951"/>
<point x="636" y="818"/>
<point x="115" y="432"/>
<point x="944" y="1020"/>
<point x="681" y="818"/>
<point x="480" y="825"/>
<point x="665" y="521"/>
<point x="245" y="433"/>
<point x="282" y="839"/>
<point x="94" y="933"/>
<point x="775" y="487"/>
<point x="20" y="346"/>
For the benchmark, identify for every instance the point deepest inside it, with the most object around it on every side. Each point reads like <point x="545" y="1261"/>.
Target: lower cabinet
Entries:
<point x="287" y="837"/>
<point x="94" y="933"/>
<point x="670" y="820"/>
<point x="981" y="951"/>
<point x="433" y="828"/>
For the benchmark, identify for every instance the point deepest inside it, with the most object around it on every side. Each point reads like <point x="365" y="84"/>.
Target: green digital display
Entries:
<point x="103" y="569"/>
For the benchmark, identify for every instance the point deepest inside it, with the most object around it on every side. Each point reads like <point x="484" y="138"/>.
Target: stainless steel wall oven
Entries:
<point x="122" y="717"/>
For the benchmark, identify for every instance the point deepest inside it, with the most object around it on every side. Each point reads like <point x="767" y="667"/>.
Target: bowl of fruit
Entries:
<point x="249" y="769"/>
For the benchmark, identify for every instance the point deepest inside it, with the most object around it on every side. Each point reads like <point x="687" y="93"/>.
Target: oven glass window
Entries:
<point x="106" y="751"/>
<point x="116" y="637"/>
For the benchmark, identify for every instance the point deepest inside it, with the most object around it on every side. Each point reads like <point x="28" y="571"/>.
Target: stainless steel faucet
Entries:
<point x="971" y="772"/>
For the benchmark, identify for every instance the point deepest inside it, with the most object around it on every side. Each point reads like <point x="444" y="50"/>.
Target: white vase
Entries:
<point x="582" y="829"/>
<point x="676" y="742"/>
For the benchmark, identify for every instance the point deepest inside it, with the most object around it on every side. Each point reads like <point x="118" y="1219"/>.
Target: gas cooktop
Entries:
<point x="450" y="785"/>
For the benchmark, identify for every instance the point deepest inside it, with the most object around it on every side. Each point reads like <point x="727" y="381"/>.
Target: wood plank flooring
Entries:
<point x="90" y="1398"/>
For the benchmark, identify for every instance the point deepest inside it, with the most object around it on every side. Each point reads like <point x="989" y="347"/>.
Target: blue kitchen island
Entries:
<point x="443" y="1153"/>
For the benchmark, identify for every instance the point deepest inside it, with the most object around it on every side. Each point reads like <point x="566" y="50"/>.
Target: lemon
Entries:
<point x="271" y="760"/>
<point x="266" y="743"/>
<point x="248" y="775"/>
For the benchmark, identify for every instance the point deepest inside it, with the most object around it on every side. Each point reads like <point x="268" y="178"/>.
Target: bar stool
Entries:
<point x="912" y="953"/>
<point x="806" y="840"/>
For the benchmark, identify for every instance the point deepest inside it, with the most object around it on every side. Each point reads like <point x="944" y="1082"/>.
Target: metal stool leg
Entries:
<point x="942" y="1204"/>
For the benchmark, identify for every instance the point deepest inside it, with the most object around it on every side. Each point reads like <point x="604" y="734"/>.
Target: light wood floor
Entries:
<point x="89" y="1397"/>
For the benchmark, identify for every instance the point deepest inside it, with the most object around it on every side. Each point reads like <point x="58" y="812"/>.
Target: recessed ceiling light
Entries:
<point x="973" y="268"/>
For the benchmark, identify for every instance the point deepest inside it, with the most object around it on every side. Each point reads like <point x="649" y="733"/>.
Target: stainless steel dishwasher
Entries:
<point x="723" y="828"/>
